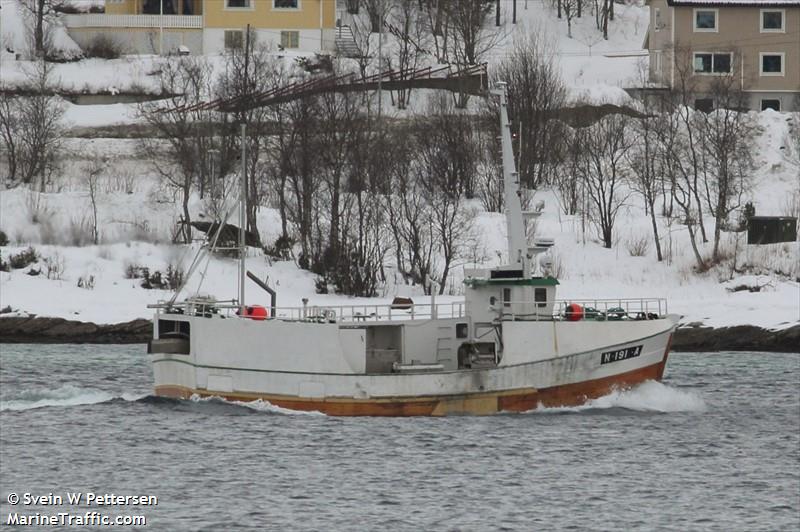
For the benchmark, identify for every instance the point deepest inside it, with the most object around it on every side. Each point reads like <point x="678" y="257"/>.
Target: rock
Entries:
<point x="59" y="330"/>
<point x="739" y="338"/>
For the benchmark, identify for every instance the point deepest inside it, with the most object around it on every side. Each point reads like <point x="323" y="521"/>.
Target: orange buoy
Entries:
<point x="256" y="312"/>
<point x="574" y="312"/>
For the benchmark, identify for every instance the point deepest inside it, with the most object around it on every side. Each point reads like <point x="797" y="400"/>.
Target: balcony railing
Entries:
<point x="133" y="21"/>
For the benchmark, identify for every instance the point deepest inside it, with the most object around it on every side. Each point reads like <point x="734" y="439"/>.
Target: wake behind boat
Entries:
<point x="509" y="346"/>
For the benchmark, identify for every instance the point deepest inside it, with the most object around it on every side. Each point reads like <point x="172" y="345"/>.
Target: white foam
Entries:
<point x="266" y="406"/>
<point x="66" y="395"/>
<point x="259" y="405"/>
<point x="650" y="396"/>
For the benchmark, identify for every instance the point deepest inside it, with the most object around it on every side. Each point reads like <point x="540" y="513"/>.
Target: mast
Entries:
<point x="242" y="223"/>
<point x="517" y="242"/>
<point x="243" y="199"/>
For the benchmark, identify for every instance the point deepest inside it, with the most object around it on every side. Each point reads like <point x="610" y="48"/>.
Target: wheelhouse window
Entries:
<point x="234" y="39"/>
<point x="772" y="64"/>
<point x="290" y="39"/>
<point x="286" y="4"/>
<point x="772" y="21"/>
<point x="706" y="20"/>
<point x="506" y="297"/>
<point x="773" y="104"/>
<point x="712" y="63"/>
<point x="246" y="4"/>
<point x="540" y="297"/>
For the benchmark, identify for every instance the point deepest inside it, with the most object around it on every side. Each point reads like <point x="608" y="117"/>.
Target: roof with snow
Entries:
<point x="735" y="3"/>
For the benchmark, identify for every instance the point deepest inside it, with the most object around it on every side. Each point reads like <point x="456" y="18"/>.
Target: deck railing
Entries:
<point x="591" y="309"/>
<point x="93" y="20"/>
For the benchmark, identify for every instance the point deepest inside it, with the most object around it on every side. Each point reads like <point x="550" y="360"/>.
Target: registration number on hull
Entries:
<point x="620" y="354"/>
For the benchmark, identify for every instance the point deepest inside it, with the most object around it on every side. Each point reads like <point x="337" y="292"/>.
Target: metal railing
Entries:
<point x="324" y="314"/>
<point x="94" y="20"/>
<point x="614" y="307"/>
<point x="590" y="309"/>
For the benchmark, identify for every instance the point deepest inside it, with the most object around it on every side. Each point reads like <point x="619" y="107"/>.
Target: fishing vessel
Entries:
<point x="509" y="346"/>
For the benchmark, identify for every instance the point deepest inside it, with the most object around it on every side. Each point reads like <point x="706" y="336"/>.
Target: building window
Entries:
<point x="712" y="63"/>
<point x="657" y="19"/>
<point x="290" y="39"/>
<point x="234" y="39"/>
<point x="770" y="103"/>
<point x="286" y="4"/>
<point x="772" y="21"/>
<point x="771" y="64"/>
<point x="239" y="4"/>
<point x="706" y="20"/>
<point x="706" y="105"/>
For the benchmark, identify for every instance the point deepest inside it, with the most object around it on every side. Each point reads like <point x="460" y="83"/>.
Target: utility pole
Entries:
<point x="380" y="67"/>
<point x="161" y="28"/>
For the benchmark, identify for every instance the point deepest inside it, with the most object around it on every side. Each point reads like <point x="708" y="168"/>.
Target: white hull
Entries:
<point x="314" y="366"/>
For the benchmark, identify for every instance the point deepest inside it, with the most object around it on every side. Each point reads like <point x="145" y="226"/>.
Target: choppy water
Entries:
<point x="716" y="447"/>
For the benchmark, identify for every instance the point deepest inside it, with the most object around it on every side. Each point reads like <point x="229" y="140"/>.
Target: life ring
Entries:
<point x="573" y="312"/>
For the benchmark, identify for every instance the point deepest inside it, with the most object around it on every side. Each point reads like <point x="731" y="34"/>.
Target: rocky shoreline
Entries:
<point x="17" y="330"/>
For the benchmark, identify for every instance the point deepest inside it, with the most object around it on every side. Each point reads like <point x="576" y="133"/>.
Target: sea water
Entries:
<point x="716" y="446"/>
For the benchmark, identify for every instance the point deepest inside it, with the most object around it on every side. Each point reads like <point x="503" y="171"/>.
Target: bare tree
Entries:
<point x="297" y="160"/>
<point x="188" y="132"/>
<point x="603" y="170"/>
<point x="535" y="94"/>
<point x="675" y="147"/>
<point x="447" y="153"/>
<point x="41" y="12"/>
<point x="249" y="70"/>
<point x="685" y="92"/>
<point x="9" y="131"/>
<point x="365" y="232"/>
<point x="571" y="10"/>
<point x="411" y="226"/>
<point x="727" y="134"/>
<point x="489" y="169"/>
<point x="436" y="13"/>
<point x="469" y="37"/>
<point x="646" y="167"/>
<point x="362" y="36"/>
<point x="31" y="129"/>
<point x="407" y="24"/>
<point x="93" y="171"/>
<point x="566" y="179"/>
<point x="376" y="9"/>
<point x="426" y="213"/>
<point x="337" y="125"/>
<point x="446" y="144"/>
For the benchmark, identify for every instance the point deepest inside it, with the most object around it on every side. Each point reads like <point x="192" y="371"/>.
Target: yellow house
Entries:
<point x="208" y="26"/>
<point x="753" y="43"/>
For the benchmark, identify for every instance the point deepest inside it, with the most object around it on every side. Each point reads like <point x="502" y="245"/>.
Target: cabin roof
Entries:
<point x="534" y="281"/>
